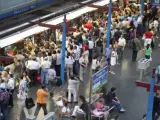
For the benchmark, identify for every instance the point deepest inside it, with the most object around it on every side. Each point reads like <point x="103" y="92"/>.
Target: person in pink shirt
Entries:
<point x="101" y="109"/>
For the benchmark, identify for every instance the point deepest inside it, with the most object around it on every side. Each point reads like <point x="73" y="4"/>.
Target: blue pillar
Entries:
<point x="63" y="50"/>
<point x="151" y="97"/>
<point x="142" y="7"/>
<point x="109" y="24"/>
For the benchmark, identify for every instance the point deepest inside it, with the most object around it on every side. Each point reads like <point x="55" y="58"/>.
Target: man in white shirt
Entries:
<point x="121" y="46"/>
<point x="83" y="65"/>
<point x="90" y="46"/>
<point x="45" y="65"/>
<point x="58" y="63"/>
<point x="11" y="86"/>
<point x="33" y="67"/>
<point x="140" y="26"/>
<point x="52" y="75"/>
<point x="72" y="89"/>
<point x="69" y="65"/>
<point x="155" y="22"/>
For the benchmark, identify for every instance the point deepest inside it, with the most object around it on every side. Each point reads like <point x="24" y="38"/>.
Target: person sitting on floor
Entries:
<point x="65" y="112"/>
<point x="101" y="109"/>
<point x="113" y="100"/>
<point x="83" y="108"/>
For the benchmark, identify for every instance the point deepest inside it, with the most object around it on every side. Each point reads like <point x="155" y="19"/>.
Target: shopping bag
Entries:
<point x="17" y="83"/>
<point x="150" y="59"/>
<point x="29" y="103"/>
<point x="39" y="78"/>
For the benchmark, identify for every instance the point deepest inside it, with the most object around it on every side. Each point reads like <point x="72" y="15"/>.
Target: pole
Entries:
<point x="142" y="7"/>
<point x="90" y="97"/>
<point x="109" y="24"/>
<point x="151" y="97"/>
<point x="141" y="74"/>
<point x="63" y="50"/>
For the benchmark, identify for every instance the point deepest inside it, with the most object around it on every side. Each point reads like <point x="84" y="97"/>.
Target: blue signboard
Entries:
<point x="99" y="79"/>
<point x="155" y="2"/>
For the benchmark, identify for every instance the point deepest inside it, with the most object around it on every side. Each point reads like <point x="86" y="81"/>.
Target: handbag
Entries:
<point x="39" y="78"/>
<point x="29" y="103"/>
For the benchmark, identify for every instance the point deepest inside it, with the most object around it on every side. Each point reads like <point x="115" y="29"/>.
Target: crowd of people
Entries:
<point x="41" y="62"/>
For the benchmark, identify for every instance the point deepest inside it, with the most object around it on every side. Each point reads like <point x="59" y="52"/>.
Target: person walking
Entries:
<point x="120" y="49"/>
<point x="136" y="46"/>
<point x="33" y="66"/>
<point x="45" y="65"/>
<point x="83" y="65"/>
<point x="28" y="80"/>
<point x="158" y="74"/>
<point x="148" y="38"/>
<point x="22" y="84"/>
<point x="76" y="56"/>
<point x="42" y="95"/>
<point x="4" y="100"/>
<point x="22" y="95"/>
<point x="113" y="60"/>
<point x="140" y="26"/>
<point x="58" y="63"/>
<point x="95" y="65"/>
<point x="148" y="52"/>
<point x="18" y="69"/>
<point x="11" y="86"/>
<point x="72" y="88"/>
<point x="52" y="75"/>
<point x="99" y="46"/>
<point x="90" y="46"/>
<point x="69" y="65"/>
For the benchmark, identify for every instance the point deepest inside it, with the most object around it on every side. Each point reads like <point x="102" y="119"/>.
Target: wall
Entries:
<point x="6" y="4"/>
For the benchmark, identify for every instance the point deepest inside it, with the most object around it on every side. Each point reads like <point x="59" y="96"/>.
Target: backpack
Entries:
<point x="4" y="98"/>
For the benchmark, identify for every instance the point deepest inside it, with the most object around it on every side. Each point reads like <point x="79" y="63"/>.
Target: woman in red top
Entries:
<point x="148" y="34"/>
<point x="85" y="46"/>
<point x="148" y="37"/>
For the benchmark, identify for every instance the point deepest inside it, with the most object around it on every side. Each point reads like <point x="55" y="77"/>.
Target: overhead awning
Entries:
<point x="37" y="29"/>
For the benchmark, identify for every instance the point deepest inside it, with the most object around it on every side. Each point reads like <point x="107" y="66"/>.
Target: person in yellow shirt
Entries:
<point x="42" y="95"/>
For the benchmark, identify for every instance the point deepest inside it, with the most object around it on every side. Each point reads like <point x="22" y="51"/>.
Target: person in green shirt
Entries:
<point x="148" y="51"/>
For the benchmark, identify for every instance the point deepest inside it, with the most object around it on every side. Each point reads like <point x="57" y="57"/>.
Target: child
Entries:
<point x="95" y="65"/>
<point x="65" y="112"/>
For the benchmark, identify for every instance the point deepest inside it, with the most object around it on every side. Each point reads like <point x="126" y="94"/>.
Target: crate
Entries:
<point x="143" y="64"/>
